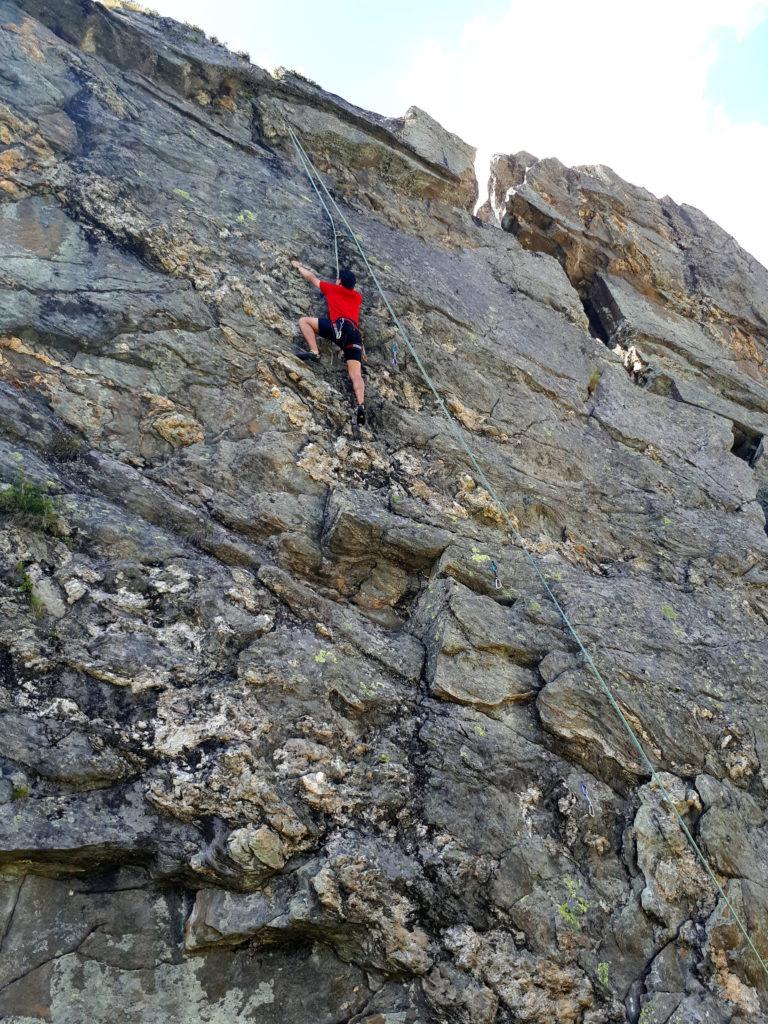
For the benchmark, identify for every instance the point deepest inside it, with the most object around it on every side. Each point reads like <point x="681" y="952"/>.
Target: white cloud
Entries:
<point x="607" y="82"/>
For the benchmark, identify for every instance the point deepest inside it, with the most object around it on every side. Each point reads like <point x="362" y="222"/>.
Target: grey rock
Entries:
<point x="290" y="727"/>
<point x="117" y="933"/>
<point x="56" y="751"/>
<point x="84" y="832"/>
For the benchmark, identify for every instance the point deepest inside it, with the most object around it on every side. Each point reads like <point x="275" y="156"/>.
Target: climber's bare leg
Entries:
<point x="355" y="371"/>
<point x="309" y="327"/>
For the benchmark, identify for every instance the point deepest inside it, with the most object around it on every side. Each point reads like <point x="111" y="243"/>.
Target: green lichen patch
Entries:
<point x="574" y="906"/>
<point x="323" y="657"/>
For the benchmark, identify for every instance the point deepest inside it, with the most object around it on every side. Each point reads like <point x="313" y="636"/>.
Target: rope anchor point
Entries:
<point x="496" y="581"/>
<point x="588" y="799"/>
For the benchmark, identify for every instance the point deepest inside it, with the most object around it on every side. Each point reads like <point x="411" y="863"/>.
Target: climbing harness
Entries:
<point x="496" y="581"/>
<point x="310" y="169"/>
<point x="348" y="337"/>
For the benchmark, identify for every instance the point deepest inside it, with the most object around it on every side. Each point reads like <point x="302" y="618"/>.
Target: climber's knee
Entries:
<point x="308" y="325"/>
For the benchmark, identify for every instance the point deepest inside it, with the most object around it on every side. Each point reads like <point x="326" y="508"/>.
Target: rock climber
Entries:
<point x="341" y="326"/>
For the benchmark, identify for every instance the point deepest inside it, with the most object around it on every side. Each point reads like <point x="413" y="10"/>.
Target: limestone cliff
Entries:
<point x="274" y="747"/>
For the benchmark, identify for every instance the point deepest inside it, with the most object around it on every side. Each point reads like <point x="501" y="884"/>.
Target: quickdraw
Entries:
<point x="496" y="581"/>
<point x="587" y="798"/>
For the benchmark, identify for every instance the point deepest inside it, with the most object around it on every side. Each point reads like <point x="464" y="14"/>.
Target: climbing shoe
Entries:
<point x="361" y="415"/>
<point x="308" y="357"/>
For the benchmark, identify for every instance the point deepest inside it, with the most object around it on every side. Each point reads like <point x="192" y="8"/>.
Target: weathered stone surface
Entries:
<point x="84" y="831"/>
<point x="339" y="900"/>
<point x="57" y="751"/>
<point x="290" y="729"/>
<point x="73" y="947"/>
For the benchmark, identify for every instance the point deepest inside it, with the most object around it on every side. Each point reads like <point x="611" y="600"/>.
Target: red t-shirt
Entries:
<point x="341" y="301"/>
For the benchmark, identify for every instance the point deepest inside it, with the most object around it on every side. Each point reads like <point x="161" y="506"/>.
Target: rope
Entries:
<point x="309" y="168"/>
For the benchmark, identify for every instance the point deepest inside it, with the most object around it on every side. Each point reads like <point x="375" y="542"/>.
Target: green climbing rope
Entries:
<point x="308" y="168"/>
<point x="312" y="173"/>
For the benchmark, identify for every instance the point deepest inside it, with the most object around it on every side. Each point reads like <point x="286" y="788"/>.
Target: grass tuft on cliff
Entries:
<point x="27" y="499"/>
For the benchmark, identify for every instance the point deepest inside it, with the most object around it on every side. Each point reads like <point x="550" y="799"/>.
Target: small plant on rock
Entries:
<point x="27" y="590"/>
<point x="26" y="498"/>
<point x="29" y="503"/>
<point x="65" y="447"/>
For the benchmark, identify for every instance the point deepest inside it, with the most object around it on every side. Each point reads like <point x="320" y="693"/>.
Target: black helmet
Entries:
<point x="347" y="278"/>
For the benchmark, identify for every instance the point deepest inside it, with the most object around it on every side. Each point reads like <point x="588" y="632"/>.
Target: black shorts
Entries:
<point x="350" y="342"/>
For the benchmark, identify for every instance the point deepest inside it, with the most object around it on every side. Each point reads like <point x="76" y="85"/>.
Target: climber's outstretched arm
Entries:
<point x="308" y="275"/>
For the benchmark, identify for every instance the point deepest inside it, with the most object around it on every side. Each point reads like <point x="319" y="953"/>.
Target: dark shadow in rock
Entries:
<point x="747" y="444"/>
<point x="596" y="327"/>
<point x="257" y="128"/>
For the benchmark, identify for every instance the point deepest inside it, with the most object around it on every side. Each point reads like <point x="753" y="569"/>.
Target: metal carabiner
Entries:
<point x="585" y="794"/>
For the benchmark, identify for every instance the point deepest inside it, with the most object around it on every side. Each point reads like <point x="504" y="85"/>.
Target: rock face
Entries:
<point x="274" y="747"/>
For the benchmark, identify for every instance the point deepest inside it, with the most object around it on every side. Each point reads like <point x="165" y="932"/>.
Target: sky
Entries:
<point x="672" y="94"/>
